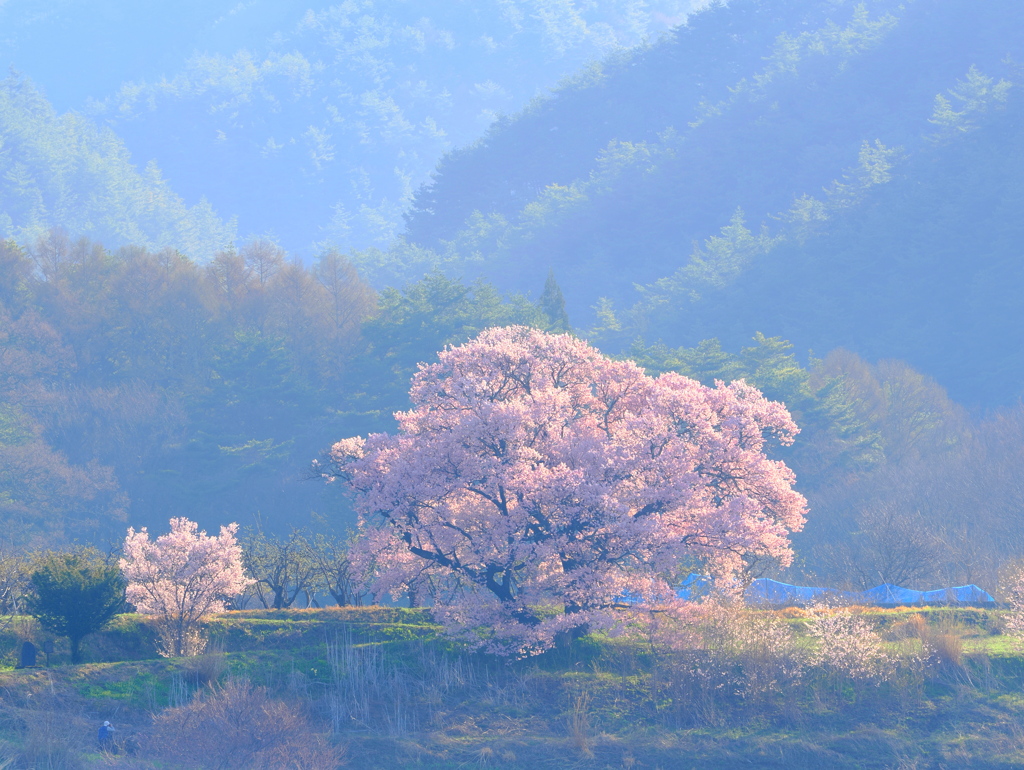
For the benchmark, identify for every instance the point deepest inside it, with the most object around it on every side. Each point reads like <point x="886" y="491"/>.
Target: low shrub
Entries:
<point x="238" y="725"/>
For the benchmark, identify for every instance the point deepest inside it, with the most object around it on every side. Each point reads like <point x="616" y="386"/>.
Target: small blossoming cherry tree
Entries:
<point x="181" y="577"/>
<point x="535" y="482"/>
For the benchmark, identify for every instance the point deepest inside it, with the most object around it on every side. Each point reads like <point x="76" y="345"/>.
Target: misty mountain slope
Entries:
<point x="674" y="163"/>
<point x="631" y="97"/>
<point x="315" y="121"/>
<point x="927" y="267"/>
<point x="61" y="171"/>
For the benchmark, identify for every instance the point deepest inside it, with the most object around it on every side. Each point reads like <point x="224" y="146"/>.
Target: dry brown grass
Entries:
<point x="579" y="724"/>
<point x="791" y="612"/>
<point x="53" y="733"/>
<point x="947" y="647"/>
<point x="914" y="627"/>
<point x="942" y="641"/>
<point x="240" y="726"/>
<point x="208" y="668"/>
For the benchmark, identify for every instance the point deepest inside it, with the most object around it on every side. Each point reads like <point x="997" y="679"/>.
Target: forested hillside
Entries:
<point x="313" y="121"/>
<point x="833" y="172"/>
<point x="61" y="171"/>
<point x="727" y="93"/>
<point x="699" y="292"/>
<point x="139" y="385"/>
<point x="926" y="266"/>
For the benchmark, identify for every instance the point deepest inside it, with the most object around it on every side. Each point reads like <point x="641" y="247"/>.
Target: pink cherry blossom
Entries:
<point x="535" y="482"/>
<point x="181" y="577"/>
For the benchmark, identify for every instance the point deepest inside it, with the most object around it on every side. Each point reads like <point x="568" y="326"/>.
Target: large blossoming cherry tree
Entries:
<point x="535" y="483"/>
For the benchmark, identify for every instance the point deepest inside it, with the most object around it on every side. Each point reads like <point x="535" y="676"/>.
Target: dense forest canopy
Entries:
<point x="145" y="379"/>
<point x="139" y="385"/>
<point x="61" y="171"/>
<point x="794" y="188"/>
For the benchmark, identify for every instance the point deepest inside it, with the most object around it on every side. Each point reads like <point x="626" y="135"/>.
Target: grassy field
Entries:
<point x="385" y="687"/>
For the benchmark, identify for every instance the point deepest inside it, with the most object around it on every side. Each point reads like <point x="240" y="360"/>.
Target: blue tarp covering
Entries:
<point x="768" y="591"/>
<point x="695" y="586"/>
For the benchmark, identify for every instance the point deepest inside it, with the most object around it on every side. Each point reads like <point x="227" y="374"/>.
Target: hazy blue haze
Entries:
<point x="839" y="173"/>
<point x="842" y="174"/>
<point x="313" y="122"/>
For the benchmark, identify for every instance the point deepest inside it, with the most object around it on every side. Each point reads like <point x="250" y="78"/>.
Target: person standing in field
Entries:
<point x="106" y="736"/>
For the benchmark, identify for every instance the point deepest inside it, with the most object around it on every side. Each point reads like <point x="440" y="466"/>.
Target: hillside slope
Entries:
<point x="926" y="267"/>
<point x="62" y="171"/>
<point x="731" y="170"/>
<point x="313" y="121"/>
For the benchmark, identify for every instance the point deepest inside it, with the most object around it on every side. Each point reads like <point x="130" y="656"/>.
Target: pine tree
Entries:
<point x="75" y="593"/>
<point x="552" y="303"/>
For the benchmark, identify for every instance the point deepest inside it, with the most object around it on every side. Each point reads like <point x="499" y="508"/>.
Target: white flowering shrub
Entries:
<point x="1013" y="595"/>
<point x="847" y="646"/>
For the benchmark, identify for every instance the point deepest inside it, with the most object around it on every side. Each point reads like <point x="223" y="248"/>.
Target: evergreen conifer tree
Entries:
<point x="75" y="593"/>
<point x="552" y="303"/>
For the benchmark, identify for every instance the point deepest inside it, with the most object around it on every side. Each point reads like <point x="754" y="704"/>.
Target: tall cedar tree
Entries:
<point x="552" y="303"/>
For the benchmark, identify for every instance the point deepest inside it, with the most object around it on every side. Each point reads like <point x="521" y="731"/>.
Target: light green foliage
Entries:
<point x="725" y="257"/>
<point x="836" y="435"/>
<point x="775" y="370"/>
<point x="706" y="362"/>
<point x="411" y="325"/>
<point x="554" y="203"/>
<point x="861" y="33"/>
<point x="620" y="159"/>
<point x="75" y="593"/>
<point x="15" y="428"/>
<point x="607" y="330"/>
<point x="447" y="308"/>
<point x="806" y="216"/>
<point x="913" y="415"/>
<point x="60" y="170"/>
<point x="403" y="262"/>
<point x="875" y="164"/>
<point x="967" y="102"/>
<point x="13" y="582"/>
<point x="715" y="264"/>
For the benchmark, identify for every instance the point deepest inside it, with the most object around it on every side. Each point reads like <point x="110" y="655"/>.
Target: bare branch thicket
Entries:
<point x="281" y="566"/>
<point x="14" y="581"/>
<point x="240" y="726"/>
<point x="329" y="556"/>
